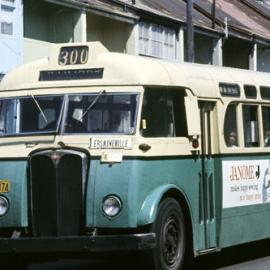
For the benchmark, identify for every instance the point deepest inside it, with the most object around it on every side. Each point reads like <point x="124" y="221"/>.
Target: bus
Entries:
<point x="104" y="152"/>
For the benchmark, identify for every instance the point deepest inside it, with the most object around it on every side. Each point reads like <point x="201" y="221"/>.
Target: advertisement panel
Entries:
<point x="245" y="182"/>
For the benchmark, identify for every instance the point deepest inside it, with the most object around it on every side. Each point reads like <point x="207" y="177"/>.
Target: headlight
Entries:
<point x="3" y="205"/>
<point x="111" y="206"/>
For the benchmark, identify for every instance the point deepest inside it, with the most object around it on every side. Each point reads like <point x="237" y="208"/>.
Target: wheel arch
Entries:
<point x="149" y="209"/>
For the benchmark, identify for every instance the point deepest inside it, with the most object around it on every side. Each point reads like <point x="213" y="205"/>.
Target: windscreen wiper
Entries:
<point x="41" y="111"/>
<point x="92" y="103"/>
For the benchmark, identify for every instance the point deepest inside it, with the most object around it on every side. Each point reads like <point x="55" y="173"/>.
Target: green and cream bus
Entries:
<point x="104" y="152"/>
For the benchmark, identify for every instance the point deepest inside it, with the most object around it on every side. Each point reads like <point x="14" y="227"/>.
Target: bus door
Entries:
<point x="207" y="216"/>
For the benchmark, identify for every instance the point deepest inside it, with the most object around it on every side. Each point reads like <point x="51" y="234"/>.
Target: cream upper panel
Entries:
<point x="21" y="147"/>
<point x="123" y="69"/>
<point x="71" y="90"/>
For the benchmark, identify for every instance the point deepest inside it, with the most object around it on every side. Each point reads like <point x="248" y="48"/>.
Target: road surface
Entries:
<point x="246" y="257"/>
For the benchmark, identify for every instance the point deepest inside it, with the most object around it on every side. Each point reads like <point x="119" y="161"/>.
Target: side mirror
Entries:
<point x="192" y="116"/>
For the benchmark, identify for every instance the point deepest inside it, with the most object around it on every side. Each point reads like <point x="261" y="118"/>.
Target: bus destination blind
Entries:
<point x="71" y="74"/>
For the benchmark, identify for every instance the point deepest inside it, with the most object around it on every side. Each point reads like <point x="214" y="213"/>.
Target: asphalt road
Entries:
<point x="246" y="257"/>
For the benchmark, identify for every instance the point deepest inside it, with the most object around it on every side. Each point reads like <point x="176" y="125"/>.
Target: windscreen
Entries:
<point x="30" y="115"/>
<point x="101" y="113"/>
<point x="104" y="113"/>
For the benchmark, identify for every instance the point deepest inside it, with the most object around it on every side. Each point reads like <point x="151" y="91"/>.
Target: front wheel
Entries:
<point x="171" y="237"/>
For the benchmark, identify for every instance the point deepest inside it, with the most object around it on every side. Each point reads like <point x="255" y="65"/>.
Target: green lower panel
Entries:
<point x="133" y="181"/>
<point x="16" y="173"/>
<point x="245" y="224"/>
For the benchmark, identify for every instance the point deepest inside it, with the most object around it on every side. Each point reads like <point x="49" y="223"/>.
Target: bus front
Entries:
<point x="66" y="185"/>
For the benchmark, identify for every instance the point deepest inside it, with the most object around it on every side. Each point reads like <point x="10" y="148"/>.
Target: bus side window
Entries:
<point x="8" y="112"/>
<point x="230" y="126"/>
<point x="163" y="114"/>
<point x="266" y="125"/>
<point x="250" y="118"/>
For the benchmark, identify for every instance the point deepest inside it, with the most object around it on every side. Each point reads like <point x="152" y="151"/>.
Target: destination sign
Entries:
<point x="110" y="143"/>
<point x="73" y="55"/>
<point x="71" y="74"/>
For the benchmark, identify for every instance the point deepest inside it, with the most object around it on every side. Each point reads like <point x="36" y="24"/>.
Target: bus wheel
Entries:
<point x="170" y="234"/>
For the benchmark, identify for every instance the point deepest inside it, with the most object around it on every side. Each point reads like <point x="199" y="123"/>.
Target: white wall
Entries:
<point x="47" y="23"/>
<point x="113" y="34"/>
<point x="11" y="46"/>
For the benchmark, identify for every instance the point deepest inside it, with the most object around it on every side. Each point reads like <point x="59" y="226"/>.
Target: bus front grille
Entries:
<point x="57" y="184"/>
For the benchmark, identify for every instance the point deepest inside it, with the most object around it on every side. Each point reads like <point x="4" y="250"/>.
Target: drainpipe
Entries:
<point x="213" y="14"/>
<point x="190" y="32"/>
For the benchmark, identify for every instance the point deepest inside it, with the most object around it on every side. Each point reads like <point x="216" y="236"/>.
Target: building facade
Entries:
<point x="231" y="33"/>
<point x="11" y="35"/>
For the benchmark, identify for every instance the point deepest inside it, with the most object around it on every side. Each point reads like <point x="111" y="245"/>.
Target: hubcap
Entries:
<point x="171" y="239"/>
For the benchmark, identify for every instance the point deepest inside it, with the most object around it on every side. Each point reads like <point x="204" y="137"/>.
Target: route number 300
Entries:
<point x="73" y="55"/>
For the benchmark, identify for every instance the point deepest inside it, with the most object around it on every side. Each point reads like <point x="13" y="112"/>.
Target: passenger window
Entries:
<point x="250" y="91"/>
<point x="266" y="125"/>
<point x="230" y="126"/>
<point x="163" y="114"/>
<point x="250" y="118"/>
<point x="265" y="92"/>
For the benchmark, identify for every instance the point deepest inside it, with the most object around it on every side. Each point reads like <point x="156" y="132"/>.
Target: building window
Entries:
<point x="6" y="17"/>
<point x="157" y="41"/>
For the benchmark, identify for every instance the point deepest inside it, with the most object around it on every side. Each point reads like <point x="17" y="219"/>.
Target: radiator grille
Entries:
<point x="57" y="181"/>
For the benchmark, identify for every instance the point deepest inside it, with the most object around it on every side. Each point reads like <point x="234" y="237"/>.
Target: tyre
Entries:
<point x="169" y="227"/>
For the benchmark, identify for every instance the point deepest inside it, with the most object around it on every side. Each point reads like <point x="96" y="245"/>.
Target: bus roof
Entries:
<point x="124" y="69"/>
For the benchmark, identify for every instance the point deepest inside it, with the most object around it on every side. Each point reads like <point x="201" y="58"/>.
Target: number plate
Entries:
<point x="76" y="55"/>
<point x="4" y="186"/>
